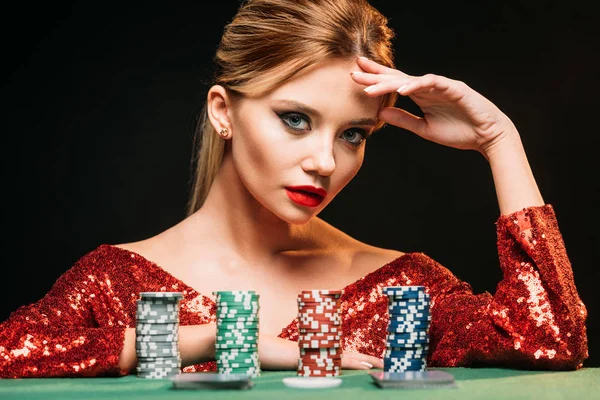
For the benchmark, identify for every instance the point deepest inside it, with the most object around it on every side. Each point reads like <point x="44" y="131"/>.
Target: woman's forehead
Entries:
<point x="325" y="87"/>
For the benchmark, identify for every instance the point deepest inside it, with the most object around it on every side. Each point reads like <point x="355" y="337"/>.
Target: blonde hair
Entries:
<point x="268" y="42"/>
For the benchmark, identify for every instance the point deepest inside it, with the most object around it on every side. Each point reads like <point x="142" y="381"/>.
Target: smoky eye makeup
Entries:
<point x="298" y="122"/>
<point x="294" y="120"/>
<point x="359" y="136"/>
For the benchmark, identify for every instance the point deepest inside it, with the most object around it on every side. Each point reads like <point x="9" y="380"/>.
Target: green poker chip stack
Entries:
<point x="236" y="343"/>
<point x="157" y="335"/>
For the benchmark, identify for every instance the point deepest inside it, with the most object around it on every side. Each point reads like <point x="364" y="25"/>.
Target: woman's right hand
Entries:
<point x="276" y="353"/>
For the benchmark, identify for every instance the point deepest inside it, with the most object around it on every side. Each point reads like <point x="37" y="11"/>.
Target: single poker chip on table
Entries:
<point x="311" y="382"/>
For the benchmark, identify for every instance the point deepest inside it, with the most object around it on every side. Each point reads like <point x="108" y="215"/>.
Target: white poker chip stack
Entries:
<point x="319" y="333"/>
<point x="157" y="335"/>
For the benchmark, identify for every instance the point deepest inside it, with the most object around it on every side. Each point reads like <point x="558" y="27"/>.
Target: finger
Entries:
<point x="429" y="82"/>
<point x="374" y="362"/>
<point x="353" y="363"/>
<point x="383" y="87"/>
<point x="367" y="79"/>
<point x="403" y="119"/>
<point x="371" y="360"/>
<point x="374" y="67"/>
<point x="410" y="85"/>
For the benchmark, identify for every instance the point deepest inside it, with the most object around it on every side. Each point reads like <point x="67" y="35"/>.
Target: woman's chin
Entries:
<point x="300" y="215"/>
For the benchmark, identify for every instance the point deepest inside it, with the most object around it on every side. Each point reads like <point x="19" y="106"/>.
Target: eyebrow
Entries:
<point x="309" y="110"/>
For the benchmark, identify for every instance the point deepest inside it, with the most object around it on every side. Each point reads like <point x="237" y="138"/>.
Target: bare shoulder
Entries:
<point x="365" y="258"/>
<point x="149" y="248"/>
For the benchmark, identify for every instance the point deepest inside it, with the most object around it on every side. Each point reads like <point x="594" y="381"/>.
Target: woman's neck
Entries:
<point x="231" y="215"/>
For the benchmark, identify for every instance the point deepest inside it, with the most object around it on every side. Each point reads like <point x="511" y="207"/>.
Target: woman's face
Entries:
<point x="309" y="131"/>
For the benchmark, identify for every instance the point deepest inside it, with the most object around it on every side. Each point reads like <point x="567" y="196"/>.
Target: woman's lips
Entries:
<point x="304" y="198"/>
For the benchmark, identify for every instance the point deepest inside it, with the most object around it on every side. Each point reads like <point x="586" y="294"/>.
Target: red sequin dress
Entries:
<point x="535" y="319"/>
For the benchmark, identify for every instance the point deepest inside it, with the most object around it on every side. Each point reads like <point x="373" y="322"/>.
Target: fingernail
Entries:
<point x="369" y="89"/>
<point x="355" y="73"/>
<point x="401" y="88"/>
<point x="366" y="364"/>
<point x="363" y="58"/>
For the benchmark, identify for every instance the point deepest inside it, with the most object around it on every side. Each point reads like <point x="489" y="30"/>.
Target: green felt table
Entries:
<point x="471" y="383"/>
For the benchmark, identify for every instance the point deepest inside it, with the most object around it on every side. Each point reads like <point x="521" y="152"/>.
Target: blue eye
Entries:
<point x="354" y="136"/>
<point x="295" y="121"/>
<point x="300" y="123"/>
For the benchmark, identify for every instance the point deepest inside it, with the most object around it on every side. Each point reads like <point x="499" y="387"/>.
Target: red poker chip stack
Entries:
<point x="320" y="333"/>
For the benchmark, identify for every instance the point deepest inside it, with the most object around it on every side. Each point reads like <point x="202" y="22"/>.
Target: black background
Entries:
<point x="100" y="101"/>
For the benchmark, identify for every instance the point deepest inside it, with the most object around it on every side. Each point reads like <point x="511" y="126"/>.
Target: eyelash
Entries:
<point x="285" y="116"/>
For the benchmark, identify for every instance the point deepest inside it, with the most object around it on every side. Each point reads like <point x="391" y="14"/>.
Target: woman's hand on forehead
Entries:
<point x="454" y="115"/>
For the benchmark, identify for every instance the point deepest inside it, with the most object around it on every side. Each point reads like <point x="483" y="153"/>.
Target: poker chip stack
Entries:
<point x="319" y="333"/>
<point x="157" y="335"/>
<point x="408" y="329"/>
<point x="236" y="343"/>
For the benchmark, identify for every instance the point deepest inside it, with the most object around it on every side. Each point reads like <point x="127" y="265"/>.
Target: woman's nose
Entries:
<point x="320" y="158"/>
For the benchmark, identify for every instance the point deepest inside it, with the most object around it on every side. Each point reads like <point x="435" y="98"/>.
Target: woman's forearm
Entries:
<point x="196" y="345"/>
<point x="514" y="181"/>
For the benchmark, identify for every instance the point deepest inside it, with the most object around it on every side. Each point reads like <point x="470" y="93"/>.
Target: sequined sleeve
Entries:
<point x="58" y="335"/>
<point x="535" y="318"/>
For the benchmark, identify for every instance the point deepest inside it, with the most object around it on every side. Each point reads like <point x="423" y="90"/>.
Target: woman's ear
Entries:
<point x="218" y="103"/>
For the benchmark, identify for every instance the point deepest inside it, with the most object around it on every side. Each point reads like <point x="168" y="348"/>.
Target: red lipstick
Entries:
<point x="309" y="196"/>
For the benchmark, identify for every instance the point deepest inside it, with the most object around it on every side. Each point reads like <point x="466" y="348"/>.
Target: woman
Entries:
<point x="299" y="87"/>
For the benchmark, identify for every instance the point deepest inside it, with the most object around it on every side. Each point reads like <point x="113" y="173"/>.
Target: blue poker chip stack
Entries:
<point x="408" y="329"/>
<point x="157" y="335"/>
